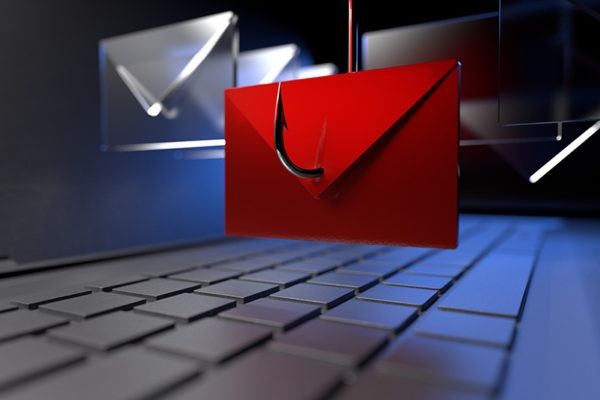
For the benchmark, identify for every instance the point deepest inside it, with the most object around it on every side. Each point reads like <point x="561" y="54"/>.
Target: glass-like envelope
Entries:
<point x="549" y="61"/>
<point x="528" y="157"/>
<point x="318" y="70"/>
<point x="277" y="64"/>
<point x="260" y="66"/>
<point x="163" y="88"/>
<point x="474" y="42"/>
<point x="252" y="73"/>
<point x="254" y="67"/>
<point x="268" y="65"/>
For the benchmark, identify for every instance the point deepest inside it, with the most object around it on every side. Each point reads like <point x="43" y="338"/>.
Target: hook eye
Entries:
<point x="280" y="124"/>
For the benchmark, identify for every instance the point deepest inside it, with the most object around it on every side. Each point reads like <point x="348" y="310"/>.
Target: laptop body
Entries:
<point x="518" y="300"/>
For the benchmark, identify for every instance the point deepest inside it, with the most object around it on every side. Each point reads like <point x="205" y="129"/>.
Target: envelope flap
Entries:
<point x="332" y="121"/>
<point x="154" y="62"/>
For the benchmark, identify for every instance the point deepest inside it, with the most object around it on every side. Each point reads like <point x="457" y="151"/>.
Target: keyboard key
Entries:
<point x="480" y="329"/>
<point x="435" y="269"/>
<point x="375" y="315"/>
<point x="343" y="257"/>
<point x="34" y="300"/>
<point x="439" y="283"/>
<point x="265" y="374"/>
<point x="130" y="374"/>
<point x="375" y="249"/>
<point x="366" y="268"/>
<point x="407" y="296"/>
<point x="495" y="286"/>
<point x="484" y="236"/>
<point x="388" y="387"/>
<point x="186" y="307"/>
<point x="19" y="323"/>
<point x="445" y="362"/>
<point x="355" y="253"/>
<point x="241" y="291"/>
<point x="211" y="340"/>
<point x="29" y="357"/>
<point x="206" y="276"/>
<point x="312" y="248"/>
<point x="310" y="266"/>
<point x="245" y="248"/>
<point x="324" y="296"/>
<point x="524" y="240"/>
<point x="278" y="314"/>
<point x="162" y="271"/>
<point x="321" y="260"/>
<point x="280" y="257"/>
<point x="92" y="305"/>
<point x="347" y="345"/>
<point x="397" y="265"/>
<point x="5" y="306"/>
<point x="363" y="248"/>
<point x="356" y="249"/>
<point x="461" y="257"/>
<point x="340" y="246"/>
<point x="108" y="284"/>
<point x="156" y="289"/>
<point x="353" y="281"/>
<point x="403" y="253"/>
<point x="110" y="331"/>
<point x="246" y="266"/>
<point x="279" y="277"/>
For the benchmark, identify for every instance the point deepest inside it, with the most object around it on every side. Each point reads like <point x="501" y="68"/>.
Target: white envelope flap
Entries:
<point x="153" y="63"/>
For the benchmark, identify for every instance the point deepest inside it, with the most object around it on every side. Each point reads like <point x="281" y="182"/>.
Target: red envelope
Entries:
<point x="387" y="141"/>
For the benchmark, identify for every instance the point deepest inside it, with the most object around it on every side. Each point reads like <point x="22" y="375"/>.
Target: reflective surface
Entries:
<point x="268" y="65"/>
<point x="254" y="67"/>
<point x="471" y="40"/>
<point x="549" y="61"/>
<point x="532" y="147"/>
<point x="165" y="85"/>
<point x="314" y="71"/>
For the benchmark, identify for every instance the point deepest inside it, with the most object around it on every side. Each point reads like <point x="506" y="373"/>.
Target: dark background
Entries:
<point x="60" y="196"/>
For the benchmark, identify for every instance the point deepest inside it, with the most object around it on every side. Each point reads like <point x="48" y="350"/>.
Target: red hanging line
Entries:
<point x="350" y="41"/>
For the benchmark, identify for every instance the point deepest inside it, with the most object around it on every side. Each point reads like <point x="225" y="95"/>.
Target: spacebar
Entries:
<point x="494" y="286"/>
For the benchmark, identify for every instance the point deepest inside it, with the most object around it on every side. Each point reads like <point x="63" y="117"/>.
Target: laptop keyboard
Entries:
<point x="294" y="320"/>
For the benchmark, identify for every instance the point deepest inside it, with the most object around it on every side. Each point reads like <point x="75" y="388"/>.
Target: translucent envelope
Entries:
<point x="473" y="41"/>
<point x="268" y="65"/>
<point x="316" y="71"/>
<point x="549" y="68"/>
<point x="277" y="64"/>
<point x="163" y="87"/>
